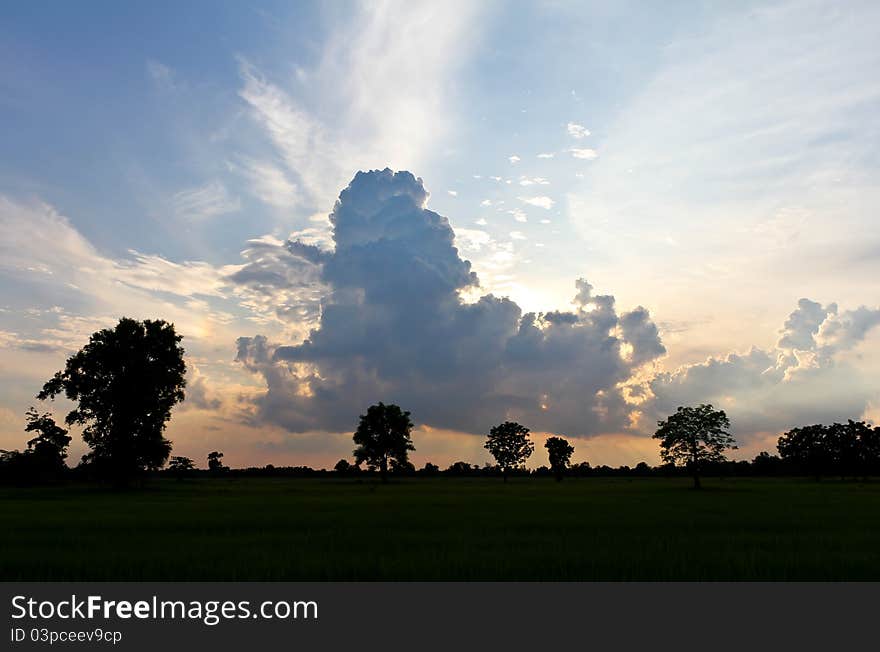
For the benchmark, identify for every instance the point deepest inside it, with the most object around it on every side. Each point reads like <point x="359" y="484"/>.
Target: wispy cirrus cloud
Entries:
<point x="204" y="201"/>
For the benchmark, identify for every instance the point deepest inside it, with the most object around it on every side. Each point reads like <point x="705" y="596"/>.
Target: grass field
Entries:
<point x="444" y="529"/>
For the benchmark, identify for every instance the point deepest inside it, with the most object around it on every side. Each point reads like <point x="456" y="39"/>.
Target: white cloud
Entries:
<point x="541" y="202"/>
<point x="382" y="85"/>
<point x="514" y="159"/>
<point x="268" y="182"/>
<point x="452" y="193"/>
<point x="546" y="155"/>
<point x="204" y="201"/>
<point x="518" y="215"/>
<point x="533" y="181"/>
<point x="517" y="235"/>
<point x="577" y="131"/>
<point x="584" y="153"/>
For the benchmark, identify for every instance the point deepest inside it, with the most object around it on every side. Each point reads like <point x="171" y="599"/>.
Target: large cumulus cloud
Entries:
<point x="393" y="326"/>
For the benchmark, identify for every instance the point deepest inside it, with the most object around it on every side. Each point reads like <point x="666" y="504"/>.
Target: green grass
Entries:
<point x="444" y="529"/>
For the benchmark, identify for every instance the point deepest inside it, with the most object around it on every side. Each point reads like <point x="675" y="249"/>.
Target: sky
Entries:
<point x="578" y="216"/>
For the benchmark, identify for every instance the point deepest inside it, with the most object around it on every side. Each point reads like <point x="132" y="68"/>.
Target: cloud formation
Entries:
<point x="804" y="379"/>
<point x="394" y="326"/>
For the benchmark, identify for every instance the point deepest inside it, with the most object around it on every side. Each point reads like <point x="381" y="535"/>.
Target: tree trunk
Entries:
<point x="697" y="484"/>
<point x="504" y="473"/>
<point x="383" y="470"/>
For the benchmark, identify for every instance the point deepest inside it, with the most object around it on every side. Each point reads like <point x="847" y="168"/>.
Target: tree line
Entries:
<point x="126" y="380"/>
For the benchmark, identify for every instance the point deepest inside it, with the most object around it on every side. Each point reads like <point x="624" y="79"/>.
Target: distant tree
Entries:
<point x="807" y="449"/>
<point x="402" y="468"/>
<point x="215" y="462"/>
<point x="125" y="382"/>
<point x="49" y="447"/>
<point x="766" y="464"/>
<point x="695" y="436"/>
<point x="559" y="451"/>
<point x="342" y="467"/>
<point x="582" y="469"/>
<point x="642" y="468"/>
<point x="869" y="449"/>
<point x="510" y="445"/>
<point x="460" y="468"/>
<point x="383" y="435"/>
<point x="181" y="466"/>
<point x="430" y="469"/>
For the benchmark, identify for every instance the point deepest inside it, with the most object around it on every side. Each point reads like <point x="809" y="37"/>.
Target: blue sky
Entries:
<point x="712" y="164"/>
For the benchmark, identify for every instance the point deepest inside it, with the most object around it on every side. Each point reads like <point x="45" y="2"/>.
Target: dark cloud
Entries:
<point x="394" y="327"/>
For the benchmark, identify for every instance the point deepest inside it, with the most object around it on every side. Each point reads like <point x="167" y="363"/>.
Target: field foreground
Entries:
<point x="444" y="529"/>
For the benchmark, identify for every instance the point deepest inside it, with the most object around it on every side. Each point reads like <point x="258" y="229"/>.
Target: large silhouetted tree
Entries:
<point x="510" y="445"/>
<point x="124" y="383"/>
<point x="694" y="436"/>
<point x="382" y="436"/>
<point x="807" y="449"/>
<point x="559" y="452"/>
<point x="848" y="449"/>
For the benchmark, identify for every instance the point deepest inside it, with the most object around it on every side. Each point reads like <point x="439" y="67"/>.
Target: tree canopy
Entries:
<point x="124" y="382"/>
<point x="851" y="448"/>
<point x="50" y="444"/>
<point x="694" y="436"/>
<point x="510" y="445"/>
<point x="559" y="451"/>
<point x="382" y="437"/>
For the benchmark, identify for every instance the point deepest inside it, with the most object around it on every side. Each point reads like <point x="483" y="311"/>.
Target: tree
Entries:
<point x="49" y="447"/>
<point x="430" y="469"/>
<point x="342" y="467"/>
<point x="510" y="445"/>
<point x="215" y="464"/>
<point x="559" y="451"/>
<point x="695" y="436"/>
<point x="125" y="382"/>
<point x="383" y="435"/>
<point x="807" y="449"/>
<point x="461" y="468"/>
<point x="869" y="449"/>
<point x="181" y="466"/>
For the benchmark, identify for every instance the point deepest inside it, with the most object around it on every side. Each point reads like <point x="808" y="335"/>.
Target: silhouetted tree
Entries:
<point x="460" y="468"/>
<point x="49" y="447"/>
<point x="869" y="449"/>
<point x="342" y="467"/>
<point x="382" y="435"/>
<point x="695" y="436"/>
<point x="181" y="466"/>
<point x="807" y="449"/>
<point x="856" y="447"/>
<point x="582" y="469"/>
<point x="125" y="382"/>
<point x="430" y="469"/>
<point x="510" y="445"/>
<point x="215" y="463"/>
<point x="766" y="464"/>
<point x="559" y="451"/>
<point x="402" y="468"/>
